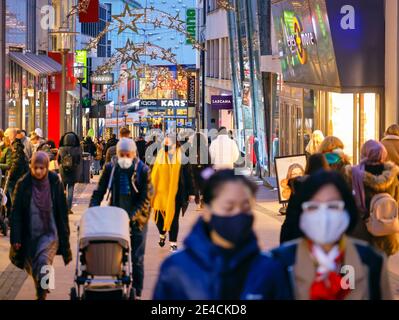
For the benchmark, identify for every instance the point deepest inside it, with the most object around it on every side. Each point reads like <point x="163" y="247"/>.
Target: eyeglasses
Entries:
<point x="311" y="206"/>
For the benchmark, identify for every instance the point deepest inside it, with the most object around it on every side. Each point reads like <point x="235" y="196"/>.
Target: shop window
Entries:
<point x="342" y="119"/>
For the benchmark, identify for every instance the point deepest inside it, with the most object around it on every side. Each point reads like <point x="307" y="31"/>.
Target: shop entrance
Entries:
<point x="291" y="127"/>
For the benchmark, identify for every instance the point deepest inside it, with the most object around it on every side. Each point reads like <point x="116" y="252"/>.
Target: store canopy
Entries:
<point x="38" y="65"/>
<point x="336" y="45"/>
<point x="76" y="93"/>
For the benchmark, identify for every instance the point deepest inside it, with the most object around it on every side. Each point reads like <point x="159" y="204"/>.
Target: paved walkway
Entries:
<point x="14" y="284"/>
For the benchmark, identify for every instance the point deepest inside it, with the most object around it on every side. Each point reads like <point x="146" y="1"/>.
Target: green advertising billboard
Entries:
<point x="81" y="59"/>
<point x="191" y="25"/>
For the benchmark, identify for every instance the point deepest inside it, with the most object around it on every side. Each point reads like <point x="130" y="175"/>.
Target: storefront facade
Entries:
<point x="333" y="67"/>
<point x="248" y="97"/>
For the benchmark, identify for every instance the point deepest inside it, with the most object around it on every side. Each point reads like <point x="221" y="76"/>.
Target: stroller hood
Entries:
<point x="104" y="224"/>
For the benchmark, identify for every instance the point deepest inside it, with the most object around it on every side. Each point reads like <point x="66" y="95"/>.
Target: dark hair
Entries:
<point x="218" y="179"/>
<point x="213" y="120"/>
<point x="223" y="130"/>
<point x="310" y="187"/>
<point x="315" y="163"/>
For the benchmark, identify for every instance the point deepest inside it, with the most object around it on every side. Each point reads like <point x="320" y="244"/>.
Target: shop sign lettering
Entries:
<point x="299" y="40"/>
<point x="349" y="18"/>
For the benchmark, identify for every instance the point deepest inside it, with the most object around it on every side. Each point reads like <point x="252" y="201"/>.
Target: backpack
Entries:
<point x="67" y="162"/>
<point x="383" y="218"/>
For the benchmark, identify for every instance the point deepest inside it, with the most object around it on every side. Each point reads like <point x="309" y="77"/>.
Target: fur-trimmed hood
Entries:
<point x="379" y="183"/>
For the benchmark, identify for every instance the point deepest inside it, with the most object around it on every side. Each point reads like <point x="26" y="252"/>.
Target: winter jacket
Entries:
<point x="204" y="271"/>
<point x="391" y="143"/>
<point x="385" y="182"/>
<point x="371" y="271"/>
<point x="5" y="159"/>
<point x="19" y="165"/>
<point x="20" y="215"/>
<point x="140" y="199"/>
<point x="224" y="152"/>
<point x="111" y="142"/>
<point x="70" y="146"/>
<point x="89" y="146"/>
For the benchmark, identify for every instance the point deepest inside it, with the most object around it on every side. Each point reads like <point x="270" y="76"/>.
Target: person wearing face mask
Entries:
<point x="127" y="180"/>
<point x="325" y="263"/>
<point x="39" y="224"/>
<point x="173" y="188"/>
<point x="221" y="259"/>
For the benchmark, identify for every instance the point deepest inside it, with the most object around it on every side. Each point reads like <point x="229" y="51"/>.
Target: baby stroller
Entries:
<point x="103" y="263"/>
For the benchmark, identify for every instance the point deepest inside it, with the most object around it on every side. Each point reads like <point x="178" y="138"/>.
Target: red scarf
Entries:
<point x="327" y="286"/>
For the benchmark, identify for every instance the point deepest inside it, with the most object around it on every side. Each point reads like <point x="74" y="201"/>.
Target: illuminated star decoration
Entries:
<point x="225" y="4"/>
<point x="168" y="55"/>
<point x="129" y="52"/>
<point x="157" y="23"/>
<point x="132" y="24"/>
<point x="153" y="55"/>
<point x="173" y="20"/>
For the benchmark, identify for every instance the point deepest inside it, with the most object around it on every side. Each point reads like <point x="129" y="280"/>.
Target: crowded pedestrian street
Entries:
<point x="14" y="283"/>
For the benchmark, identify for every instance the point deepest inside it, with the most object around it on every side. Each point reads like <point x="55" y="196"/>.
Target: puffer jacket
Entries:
<point x="385" y="182"/>
<point x="204" y="271"/>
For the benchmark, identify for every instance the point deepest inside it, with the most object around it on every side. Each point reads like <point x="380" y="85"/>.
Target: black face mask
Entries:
<point x="236" y="229"/>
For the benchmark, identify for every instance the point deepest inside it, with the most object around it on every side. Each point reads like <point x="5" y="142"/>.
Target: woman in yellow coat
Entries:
<point x="173" y="188"/>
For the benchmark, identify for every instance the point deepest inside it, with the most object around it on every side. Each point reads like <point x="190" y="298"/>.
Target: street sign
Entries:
<point x="105" y="79"/>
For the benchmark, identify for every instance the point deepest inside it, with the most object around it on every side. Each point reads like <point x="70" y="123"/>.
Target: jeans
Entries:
<point x="138" y="238"/>
<point x="69" y="191"/>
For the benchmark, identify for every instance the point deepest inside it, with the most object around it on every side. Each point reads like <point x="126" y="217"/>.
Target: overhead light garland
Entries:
<point x="225" y="4"/>
<point x="127" y="12"/>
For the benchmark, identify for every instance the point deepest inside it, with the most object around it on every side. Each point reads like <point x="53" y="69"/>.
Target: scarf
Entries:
<point x="373" y="152"/>
<point x="327" y="283"/>
<point x="165" y="179"/>
<point x="41" y="190"/>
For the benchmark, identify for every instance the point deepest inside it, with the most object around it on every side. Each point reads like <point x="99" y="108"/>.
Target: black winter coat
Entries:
<point x="20" y="216"/>
<point x="140" y="199"/>
<point x="72" y="176"/>
<point x="19" y="165"/>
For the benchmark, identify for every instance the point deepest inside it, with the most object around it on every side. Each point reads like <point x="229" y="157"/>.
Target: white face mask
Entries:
<point x="324" y="225"/>
<point x="125" y="163"/>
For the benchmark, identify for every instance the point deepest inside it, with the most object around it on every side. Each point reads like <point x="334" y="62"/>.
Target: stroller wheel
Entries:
<point x="73" y="294"/>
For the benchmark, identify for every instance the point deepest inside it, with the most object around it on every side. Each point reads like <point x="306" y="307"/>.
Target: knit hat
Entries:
<point x="127" y="145"/>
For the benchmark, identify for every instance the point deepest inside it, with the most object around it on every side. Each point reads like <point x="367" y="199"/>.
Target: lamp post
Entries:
<point x="63" y="40"/>
<point x="98" y="97"/>
<point x="117" y="109"/>
<point x="31" y="96"/>
<point x="125" y="114"/>
<point x="79" y="74"/>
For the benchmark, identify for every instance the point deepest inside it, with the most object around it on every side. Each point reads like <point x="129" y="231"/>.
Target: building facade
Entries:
<point x="311" y="65"/>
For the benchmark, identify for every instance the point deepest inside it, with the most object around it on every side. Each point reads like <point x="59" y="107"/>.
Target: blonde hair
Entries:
<point x="392" y="130"/>
<point x="330" y="143"/>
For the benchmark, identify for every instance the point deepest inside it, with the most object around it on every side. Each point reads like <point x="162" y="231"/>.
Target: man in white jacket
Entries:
<point x="223" y="151"/>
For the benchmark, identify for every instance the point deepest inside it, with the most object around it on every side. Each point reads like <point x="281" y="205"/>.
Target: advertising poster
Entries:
<point x="288" y="168"/>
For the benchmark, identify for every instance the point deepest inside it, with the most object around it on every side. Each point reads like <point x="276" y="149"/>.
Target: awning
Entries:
<point x="38" y="65"/>
<point x="76" y="93"/>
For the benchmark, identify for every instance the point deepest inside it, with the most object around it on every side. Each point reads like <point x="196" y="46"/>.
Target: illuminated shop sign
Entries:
<point x="297" y="39"/>
<point x="164" y="103"/>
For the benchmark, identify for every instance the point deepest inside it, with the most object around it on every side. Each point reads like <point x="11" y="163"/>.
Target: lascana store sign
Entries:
<point x="297" y="39"/>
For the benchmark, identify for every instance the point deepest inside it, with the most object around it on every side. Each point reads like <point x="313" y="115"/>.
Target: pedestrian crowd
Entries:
<point x="341" y="222"/>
